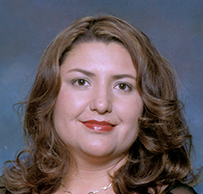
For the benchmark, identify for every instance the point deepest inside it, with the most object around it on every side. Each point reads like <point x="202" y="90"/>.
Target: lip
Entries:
<point x="98" y="126"/>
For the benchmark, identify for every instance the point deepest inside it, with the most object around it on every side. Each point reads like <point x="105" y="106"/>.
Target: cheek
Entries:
<point x="63" y="109"/>
<point x="129" y="113"/>
<point x="69" y="106"/>
<point x="69" y="102"/>
<point x="131" y="109"/>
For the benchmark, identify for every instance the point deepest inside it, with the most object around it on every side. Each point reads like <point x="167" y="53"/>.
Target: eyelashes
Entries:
<point x="124" y="87"/>
<point x="84" y="83"/>
<point x="80" y="82"/>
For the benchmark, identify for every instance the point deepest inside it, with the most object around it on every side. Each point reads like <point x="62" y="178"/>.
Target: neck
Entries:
<point x="90" y="176"/>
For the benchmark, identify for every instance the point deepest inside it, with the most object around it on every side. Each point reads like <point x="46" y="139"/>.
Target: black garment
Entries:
<point x="3" y="189"/>
<point x="180" y="188"/>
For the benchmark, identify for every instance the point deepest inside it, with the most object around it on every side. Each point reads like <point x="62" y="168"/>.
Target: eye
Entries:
<point x="124" y="87"/>
<point x="80" y="82"/>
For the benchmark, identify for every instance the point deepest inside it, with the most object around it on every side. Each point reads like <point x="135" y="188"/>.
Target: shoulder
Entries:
<point x="180" y="188"/>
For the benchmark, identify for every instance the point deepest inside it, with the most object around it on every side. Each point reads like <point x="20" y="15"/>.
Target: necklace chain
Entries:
<point x="91" y="192"/>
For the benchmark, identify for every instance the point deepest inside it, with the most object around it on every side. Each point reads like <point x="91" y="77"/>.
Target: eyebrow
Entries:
<point x="120" y="76"/>
<point x="88" y="73"/>
<point x="114" y="77"/>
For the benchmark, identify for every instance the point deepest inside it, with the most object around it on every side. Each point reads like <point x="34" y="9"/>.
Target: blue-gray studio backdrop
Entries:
<point x="28" y="26"/>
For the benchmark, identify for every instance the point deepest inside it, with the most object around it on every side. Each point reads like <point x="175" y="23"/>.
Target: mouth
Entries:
<point x="99" y="126"/>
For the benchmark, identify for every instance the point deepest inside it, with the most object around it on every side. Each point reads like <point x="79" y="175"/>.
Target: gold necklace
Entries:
<point x="91" y="192"/>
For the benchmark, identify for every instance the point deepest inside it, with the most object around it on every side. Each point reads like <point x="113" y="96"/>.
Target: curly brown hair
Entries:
<point x="161" y="152"/>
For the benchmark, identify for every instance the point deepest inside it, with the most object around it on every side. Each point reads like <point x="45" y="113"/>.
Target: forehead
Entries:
<point x="99" y="55"/>
<point x="98" y="45"/>
<point x="111" y="50"/>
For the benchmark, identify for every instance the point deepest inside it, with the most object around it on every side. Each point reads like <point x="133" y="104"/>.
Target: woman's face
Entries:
<point x="98" y="107"/>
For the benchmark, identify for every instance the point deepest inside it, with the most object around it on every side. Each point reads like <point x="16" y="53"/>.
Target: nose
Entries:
<point x="101" y="100"/>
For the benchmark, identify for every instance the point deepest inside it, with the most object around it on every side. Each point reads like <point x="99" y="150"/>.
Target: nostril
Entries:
<point x="101" y="100"/>
<point x="100" y="106"/>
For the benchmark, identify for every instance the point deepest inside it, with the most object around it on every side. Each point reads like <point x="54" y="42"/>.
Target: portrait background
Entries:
<point x="28" y="26"/>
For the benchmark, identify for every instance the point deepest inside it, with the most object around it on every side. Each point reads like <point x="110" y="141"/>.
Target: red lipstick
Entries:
<point x="99" y="126"/>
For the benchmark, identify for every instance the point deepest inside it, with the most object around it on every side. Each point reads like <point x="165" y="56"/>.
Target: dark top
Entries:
<point x="178" y="188"/>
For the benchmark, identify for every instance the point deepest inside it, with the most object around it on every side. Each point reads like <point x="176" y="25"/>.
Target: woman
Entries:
<point x="103" y="116"/>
